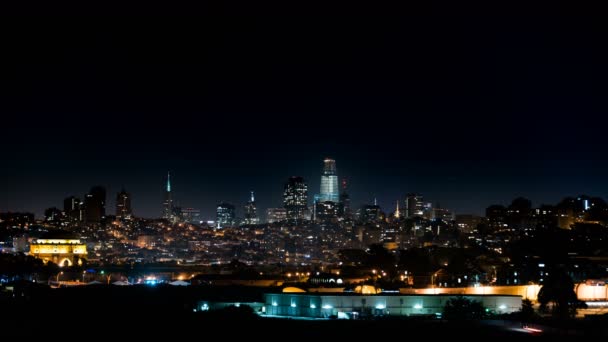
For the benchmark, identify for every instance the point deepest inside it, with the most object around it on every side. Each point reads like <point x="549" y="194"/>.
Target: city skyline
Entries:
<point x="434" y="105"/>
<point x="209" y="213"/>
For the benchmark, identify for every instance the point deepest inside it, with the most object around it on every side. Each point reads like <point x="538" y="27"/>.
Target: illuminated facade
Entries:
<point x="414" y="205"/>
<point x="274" y="215"/>
<point x="225" y="215"/>
<point x="352" y="306"/>
<point x="61" y="249"/>
<point x="295" y="198"/>
<point x="329" y="182"/>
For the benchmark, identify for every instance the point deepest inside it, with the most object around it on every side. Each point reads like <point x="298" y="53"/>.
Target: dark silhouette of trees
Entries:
<point x="460" y="307"/>
<point x="21" y="266"/>
<point x="380" y="257"/>
<point x="527" y="313"/>
<point x="558" y="290"/>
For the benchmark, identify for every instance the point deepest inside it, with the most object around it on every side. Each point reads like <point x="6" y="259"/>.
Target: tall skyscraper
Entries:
<point x="95" y="205"/>
<point x="414" y="205"/>
<point x="295" y="198"/>
<point x="73" y="209"/>
<point x="329" y="182"/>
<point x="251" y="213"/>
<point x="344" y="210"/>
<point x="168" y="203"/>
<point x="123" y="205"/>
<point x="225" y="215"/>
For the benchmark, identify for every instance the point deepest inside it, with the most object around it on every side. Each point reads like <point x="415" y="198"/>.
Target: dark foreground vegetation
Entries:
<point x="149" y="312"/>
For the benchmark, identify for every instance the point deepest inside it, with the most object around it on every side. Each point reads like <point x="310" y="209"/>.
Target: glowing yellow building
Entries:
<point x="59" y="247"/>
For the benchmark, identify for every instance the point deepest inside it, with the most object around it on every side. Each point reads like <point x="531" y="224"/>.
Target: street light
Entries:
<point x="58" y="274"/>
<point x="433" y="278"/>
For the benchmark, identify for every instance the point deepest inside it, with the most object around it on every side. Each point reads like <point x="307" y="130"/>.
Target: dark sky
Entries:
<point x="467" y="109"/>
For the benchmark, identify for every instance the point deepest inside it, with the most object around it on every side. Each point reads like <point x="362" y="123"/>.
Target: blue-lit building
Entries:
<point x="329" y="182"/>
<point x="225" y="215"/>
<point x="348" y="306"/>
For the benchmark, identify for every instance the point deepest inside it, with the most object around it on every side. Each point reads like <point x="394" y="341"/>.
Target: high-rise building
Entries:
<point x="276" y="215"/>
<point x="295" y="198"/>
<point x="168" y="202"/>
<point x="53" y="216"/>
<point x="95" y="205"/>
<point x="344" y="210"/>
<point x="123" y="205"/>
<point x="190" y="214"/>
<point x="225" y="215"/>
<point x="326" y="211"/>
<point x="370" y="213"/>
<point x="414" y="205"/>
<point x="329" y="182"/>
<point x="251" y="213"/>
<point x="73" y="209"/>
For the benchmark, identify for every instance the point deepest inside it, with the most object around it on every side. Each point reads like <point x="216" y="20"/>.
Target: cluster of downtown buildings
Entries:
<point x="301" y="234"/>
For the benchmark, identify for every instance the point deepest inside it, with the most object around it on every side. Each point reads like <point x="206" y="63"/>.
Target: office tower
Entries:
<point x="497" y="216"/>
<point x="329" y="182"/>
<point x="326" y="211"/>
<point x="370" y="213"/>
<point x="251" y="213"/>
<point x="73" y="209"/>
<point x="295" y="198"/>
<point x="190" y="214"/>
<point x="53" y="216"/>
<point x="344" y="207"/>
<point x="414" y="205"/>
<point x="95" y="205"/>
<point x="225" y="215"/>
<point x="123" y="205"/>
<point x="168" y="202"/>
<point x="276" y="215"/>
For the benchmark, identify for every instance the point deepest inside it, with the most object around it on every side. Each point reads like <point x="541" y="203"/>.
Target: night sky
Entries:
<point x="468" y="110"/>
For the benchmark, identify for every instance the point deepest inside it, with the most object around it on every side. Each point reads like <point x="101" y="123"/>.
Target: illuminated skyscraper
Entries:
<point x="225" y="215"/>
<point x="251" y="214"/>
<point x="168" y="203"/>
<point x="295" y="198"/>
<point x="329" y="182"/>
<point x="123" y="205"/>
<point x="414" y="205"/>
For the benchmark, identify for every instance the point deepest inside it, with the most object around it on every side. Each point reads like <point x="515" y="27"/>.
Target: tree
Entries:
<point x="461" y="307"/>
<point x="527" y="311"/>
<point x="558" y="289"/>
